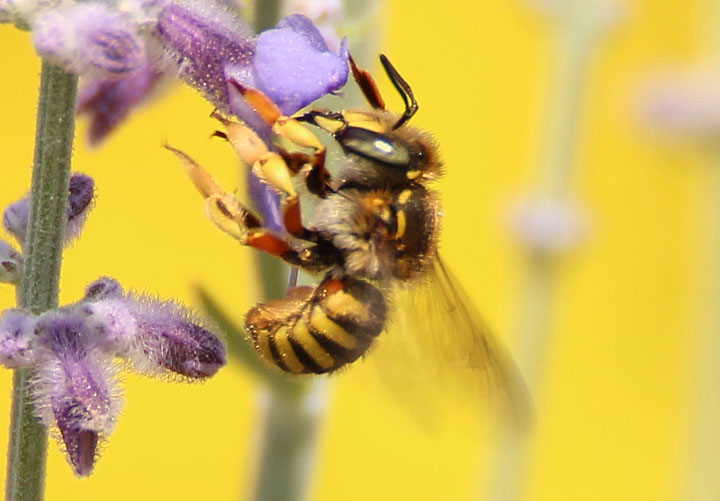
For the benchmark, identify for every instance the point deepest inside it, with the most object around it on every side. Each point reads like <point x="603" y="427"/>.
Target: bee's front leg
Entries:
<point x="235" y="219"/>
<point x="317" y="177"/>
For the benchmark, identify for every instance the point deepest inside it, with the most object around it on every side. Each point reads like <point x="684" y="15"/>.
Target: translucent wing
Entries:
<point x="438" y="347"/>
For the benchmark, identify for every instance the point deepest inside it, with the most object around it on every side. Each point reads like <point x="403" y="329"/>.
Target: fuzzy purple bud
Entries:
<point x="80" y="197"/>
<point x="75" y="386"/>
<point x="15" y="219"/>
<point x="169" y="338"/>
<point x="108" y="101"/>
<point x="203" y="39"/>
<point x="103" y="288"/>
<point x="11" y="263"/>
<point x="17" y="328"/>
<point x="89" y="38"/>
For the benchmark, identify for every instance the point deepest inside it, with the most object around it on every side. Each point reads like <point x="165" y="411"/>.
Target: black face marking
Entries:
<point x="374" y="146"/>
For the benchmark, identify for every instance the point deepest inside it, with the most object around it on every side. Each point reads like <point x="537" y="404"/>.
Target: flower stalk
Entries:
<point x="38" y="290"/>
<point x="550" y="224"/>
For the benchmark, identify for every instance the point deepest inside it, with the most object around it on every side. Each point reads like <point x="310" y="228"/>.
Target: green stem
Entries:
<point x="267" y="14"/>
<point x="43" y="251"/>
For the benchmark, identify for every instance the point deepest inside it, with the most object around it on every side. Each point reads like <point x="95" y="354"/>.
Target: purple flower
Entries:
<point x="291" y="63"/>
<point x="89" y="38"/>
<point x="16" y="337"/>
<point x="294" y="66"/>
<point x="75" y="387"/>
<point x="10" y="263"/>
<point x="109" y="100"/>
<point x="80" y="196"/>
<point x="73" y="351"/>
<point x="169" y="338"/>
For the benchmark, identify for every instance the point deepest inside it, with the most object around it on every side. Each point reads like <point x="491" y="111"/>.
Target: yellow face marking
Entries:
<point x="330" y="125"/>
<point x="401" y="224"/>
<point x="372" y="125"/>
<point x="262" y="344"/>
<point x="301" y="334"/>
<point x="404" y="196"/>
<point x="321" y="323"/>
<point x="342" y="302"/>
<point x="412" y="174"/>
<point x="284" y="348"/>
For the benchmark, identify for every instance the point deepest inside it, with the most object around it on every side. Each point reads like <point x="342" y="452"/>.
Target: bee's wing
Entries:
<point x="438" y="344"/>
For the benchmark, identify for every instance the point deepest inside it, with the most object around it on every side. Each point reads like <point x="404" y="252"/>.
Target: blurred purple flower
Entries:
<point x="72" y="348"/>
<point x="108" y="101"/>
<point x="89" y="38"/>
<point x="81" y="190"/>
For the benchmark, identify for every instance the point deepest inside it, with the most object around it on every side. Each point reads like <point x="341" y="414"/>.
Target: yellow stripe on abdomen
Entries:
<point x="286" y="352"/>
<point x="321" y="323"/>
<point x="304" y="338"/>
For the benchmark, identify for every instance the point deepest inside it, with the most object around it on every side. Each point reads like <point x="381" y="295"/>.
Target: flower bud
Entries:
<point x="103" y="288"/>
<point x="547" y="225"/>
<point x="75" y="386"/>
<point x="17" y="328"/>
<point x="167" y="337"/>
<point x="204" y="38"/>
<point x="11" y="263"/>
<point x="80" y="196"/>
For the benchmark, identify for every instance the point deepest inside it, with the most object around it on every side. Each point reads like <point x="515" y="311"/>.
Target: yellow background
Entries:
<point x="618" y="384"/>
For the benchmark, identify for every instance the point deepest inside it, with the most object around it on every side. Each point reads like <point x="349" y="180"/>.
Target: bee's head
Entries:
<point x="405" y="152"/>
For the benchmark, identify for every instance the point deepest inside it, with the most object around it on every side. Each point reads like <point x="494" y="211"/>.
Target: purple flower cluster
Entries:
<point x="74" y="352"/>
<point x="125" y="53"/>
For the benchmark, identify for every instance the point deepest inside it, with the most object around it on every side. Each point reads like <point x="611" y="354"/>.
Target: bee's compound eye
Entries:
<point x="374" y="146"/>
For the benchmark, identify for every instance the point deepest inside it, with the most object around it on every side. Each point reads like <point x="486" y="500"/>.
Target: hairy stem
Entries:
<point x="43" y="251"/>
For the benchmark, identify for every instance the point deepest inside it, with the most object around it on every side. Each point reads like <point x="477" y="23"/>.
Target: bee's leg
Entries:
<point x="367" y="85"/>
<point x="317" y="178"/>
<point x="231" y="216"/>
<point x="272" y="168"/>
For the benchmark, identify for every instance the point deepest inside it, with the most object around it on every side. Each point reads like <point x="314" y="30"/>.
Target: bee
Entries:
<point x="374" y="230"/>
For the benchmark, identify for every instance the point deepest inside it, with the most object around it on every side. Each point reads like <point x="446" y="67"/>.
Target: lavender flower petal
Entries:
<point x="11" y="263"/>
<point x="87" y="38"/>
<point x="17" y="328"/>
<point x="293" y="65"/>
<point x="203" y="39"/>
<point x="109" y="101"/>
<point x="75" y="387"/>
<point x="168" y="337"/>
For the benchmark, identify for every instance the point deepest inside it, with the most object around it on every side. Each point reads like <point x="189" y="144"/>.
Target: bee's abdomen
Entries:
<point x="321" y="330"/>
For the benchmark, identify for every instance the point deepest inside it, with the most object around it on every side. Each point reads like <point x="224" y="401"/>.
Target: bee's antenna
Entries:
<point x="411" y="105"/>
